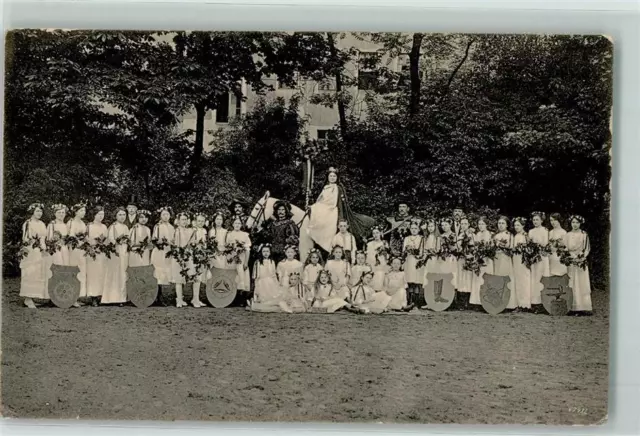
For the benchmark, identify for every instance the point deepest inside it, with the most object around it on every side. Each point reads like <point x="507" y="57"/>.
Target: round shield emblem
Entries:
<point x="221" y="287"/>
<point x="439" y="292"/>
<point x="64" y="286"/>
<point x="142" y="286"/>
<point x="557" y="296"/>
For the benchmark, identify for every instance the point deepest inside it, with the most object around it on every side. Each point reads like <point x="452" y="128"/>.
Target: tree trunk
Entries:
<point x="414" y="70"/>
<point x="338" y="76"/>
<point x="198" y="146"/>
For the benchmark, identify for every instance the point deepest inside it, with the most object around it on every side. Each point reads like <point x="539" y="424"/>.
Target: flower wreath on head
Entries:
<point x="446" y="220"/>
<point x="165" y="208"/>
<point x="521" y="220"/>
<point x="198" y="214"/>
<point x="265" y="245"/>
<point x="538" y="213"/>
<point x="58" y="206"/>
<point x="292" y="246"/>
<point x="377" y="227"/>
<point x="144" y="212"/>
<point x="578" y="218"/>
<point x="332" y="170"/>
<point x="183" y="214"/>
<point x="80" y="205"/>
<point x="33" y="206"/>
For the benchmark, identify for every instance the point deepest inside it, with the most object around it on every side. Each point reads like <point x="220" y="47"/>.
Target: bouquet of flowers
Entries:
<point x="426" y="256"/>
<point x="503" y="245"/>
<point x="233" y="251"/>
<point x="33" y="242"/>
<point x="182" y="255"/>
<point x="200" y="255"/>
<point x="531" y="253"/>
<point x="160" y="243"/>
<point x="467" y="246"/>
<point x="54" y="245"/>
<point x="448" y="247"/>
<point x="473" y="263"/>
<point x="122" y="240"/>
<point x="567" y="259"/>
<point x="74" y="241"/>
<point x="105" y="247"/>
<point x="140" y="247"/>
<point x="486" y="250"/>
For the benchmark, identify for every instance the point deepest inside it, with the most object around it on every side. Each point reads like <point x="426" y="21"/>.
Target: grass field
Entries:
<point x="229" y="364"/>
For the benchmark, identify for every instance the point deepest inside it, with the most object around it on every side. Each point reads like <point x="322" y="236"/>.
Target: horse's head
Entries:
<point x="258" y="212"/>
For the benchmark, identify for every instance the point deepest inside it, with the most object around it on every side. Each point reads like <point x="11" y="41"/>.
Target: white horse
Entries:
<point x="263" y="210"/>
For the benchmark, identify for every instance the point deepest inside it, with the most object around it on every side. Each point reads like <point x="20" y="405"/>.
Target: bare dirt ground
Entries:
<point x="229" y="364"/>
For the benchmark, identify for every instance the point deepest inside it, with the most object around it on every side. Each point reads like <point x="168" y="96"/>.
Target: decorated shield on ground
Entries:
<point x="495" y="293"/>
<point x="221" y="287"/>
<point x="439" y="292"/>
<point x="557" y="296"/>
<point x="64" y="286"/>
<point x="142" y="285"/>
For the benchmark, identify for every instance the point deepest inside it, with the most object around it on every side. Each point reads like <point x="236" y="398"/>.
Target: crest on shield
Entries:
<point x="142" y="285"/>
<point x="64" y="286"/>
<point x="495" y="293"/>
<point x="557" y="296"/>
<point x="439" y="292"/>
<point x="221" y="287"/>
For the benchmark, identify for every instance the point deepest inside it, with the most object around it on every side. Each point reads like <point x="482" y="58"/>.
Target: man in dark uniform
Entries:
<point x="282" y="230"/>
<point x="458" y="214"/>
<point x="398" y="227"/>
<point x="132" y="212"/>
<point x="237" y="208"/>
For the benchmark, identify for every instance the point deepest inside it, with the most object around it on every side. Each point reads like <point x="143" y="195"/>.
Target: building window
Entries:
<point x="327" y="85"/>
<point x="238" y="106"/>
<point x="367" y="76"/>
<point x="325" y="135"/>
<point x="222" y="109"/>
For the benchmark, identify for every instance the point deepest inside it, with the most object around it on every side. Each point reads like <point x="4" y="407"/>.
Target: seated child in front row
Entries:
<point x="365" y="300"/>
<point x="298" y="297"/>
<point x="395" y="285"/>
<point x="326" y="297"/>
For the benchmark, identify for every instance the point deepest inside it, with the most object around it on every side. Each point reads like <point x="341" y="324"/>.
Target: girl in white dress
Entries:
<point x="140" y="241"/>
<point x="395" y="286"/>
<point x="482" y="238"/>
<point x="359" y="269"/>
<point x="217" y="241"/>
<point x="297" y="297"/>
<point x="521" y="274"/>
<point x="240" y="238"/>
<point x="162" y="238"/>
<point x="447" y="246"/>
<point x="267" y="288"/>
<point x="540" y="235"/>
<point x="465" y="243"/>
<point x="77" y="230"/>
<point x="345" y="240"/>
<point x="115" y="280"/>
<point x="199" y="244"/>
<point x="365" y="300"/>
<point x="313" y="266"/>
<point x="57" y="231"/>
<point x="326" y="296"/>
<point x="340" y="271"/>
<point x="556" y="242"/>
<point x="97" y="234"/>
<point x="377" y="258"/>
<point x="182" y="269"/>
<point x="289" y="265"/>
<point x="430" y="256"/>
<point x="413" y="250"/>
<point x="502" y="264"/>
<point x="577" y="242"/>
<point x="34" y="262"/>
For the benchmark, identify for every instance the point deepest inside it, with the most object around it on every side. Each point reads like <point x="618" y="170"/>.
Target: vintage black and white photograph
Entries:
<point x="306" y="226"/>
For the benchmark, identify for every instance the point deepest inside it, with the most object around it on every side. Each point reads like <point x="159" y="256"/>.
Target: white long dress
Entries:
<point x="199" y="238"/>
<point x="76" y="256"/>
<point x="34" y="266"/>
<point x="96" y="269"/>
<point x="159" y="260"/>
<point x="220" y="236"/>
<point x="412" y="273"/>
<point x="267" y="288"/>
<point x="556" y="268"/>
<point x="356" y="274"/>
<point x="243" y="278"/>
<point x="310" y="274"/>
<point x="577" y="243"/>
<point x="181" y="238"/>
<point x="364" y="297"/>
<point x="464" y="277"/>
<point x="539" y="235"/>
<point x="137" y="234"/>
<point x="329" y="298"/>
<point x="340" y="271"/>
<point x="115" y="281"/>
<point x="378" y="263"/>
<point x="348" y="243"/>
<point x="478" y="279"/>
<point x="286" y="268"/>
<point x="60" y="257"/>
<point x="521" y="275"/>
<point x="395" y="286"/>
<point x="503" y="265"/>
<point x="450" y="263"/>
<point x="324" y="217"/>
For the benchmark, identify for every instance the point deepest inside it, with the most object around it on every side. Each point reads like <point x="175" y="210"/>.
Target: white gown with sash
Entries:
<point x="324" y="217"/>
<point x="115" y="280"/>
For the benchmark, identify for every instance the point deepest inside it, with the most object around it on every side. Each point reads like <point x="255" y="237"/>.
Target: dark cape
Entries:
<point x="359" y="225"/>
